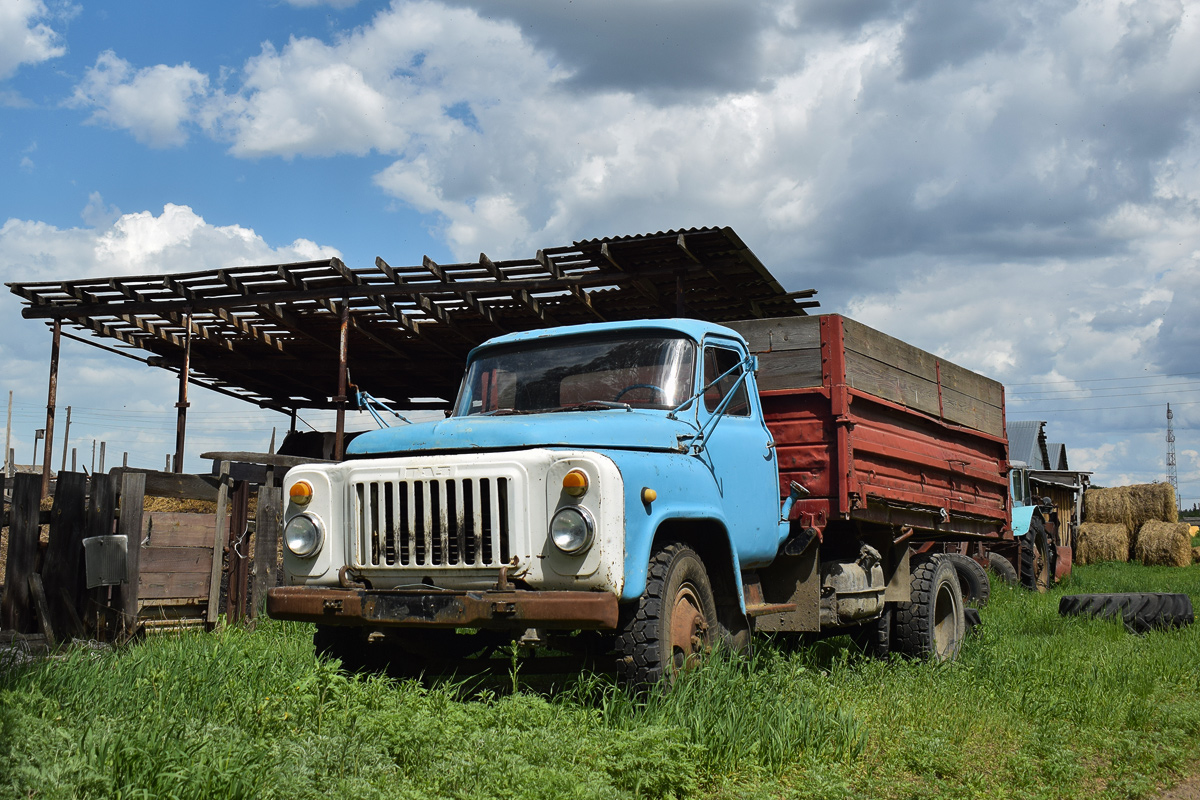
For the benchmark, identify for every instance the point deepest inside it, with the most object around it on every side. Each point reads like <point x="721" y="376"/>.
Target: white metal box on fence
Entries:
<point x="104" y="559"/>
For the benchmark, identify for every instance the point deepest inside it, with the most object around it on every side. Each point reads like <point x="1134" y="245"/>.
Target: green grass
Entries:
<point x="1037" y="706"/>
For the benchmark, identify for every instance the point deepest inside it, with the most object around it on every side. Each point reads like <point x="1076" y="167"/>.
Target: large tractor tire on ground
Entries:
<point x="1037" y="571"/>
<point x="1140" y="611"/>
<point x="1004" y="568"/>
<point x="673" y="623"/>
<point x="972" y="578"/>
<point x="932" y="625"/>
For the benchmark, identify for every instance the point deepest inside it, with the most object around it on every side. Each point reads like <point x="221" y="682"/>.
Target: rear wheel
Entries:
<point x="1003" y="567"/>
<point x="1037" y="571"/>
<point x="673" y="623"/>
<point x="932" y="624"/>
<point x="972" y="578"/>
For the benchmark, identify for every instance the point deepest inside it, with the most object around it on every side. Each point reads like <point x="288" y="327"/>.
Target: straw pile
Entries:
<point x="1131" y="506"/>
<point x="1152" y="502"/>
<point x="1108" y="506"/>
<point x="1164" y="544"/>
<point x="1098" y="541"/>
<point x="1196" y="554"/>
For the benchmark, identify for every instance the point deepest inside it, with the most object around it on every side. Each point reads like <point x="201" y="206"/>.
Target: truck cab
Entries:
<point x="570" y="462"/>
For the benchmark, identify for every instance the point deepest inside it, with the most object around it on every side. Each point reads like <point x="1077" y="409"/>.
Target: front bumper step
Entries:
<point x="406" y="608"/>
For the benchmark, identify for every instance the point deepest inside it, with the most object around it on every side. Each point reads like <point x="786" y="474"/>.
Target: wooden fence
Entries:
<point x="180" y="569"/>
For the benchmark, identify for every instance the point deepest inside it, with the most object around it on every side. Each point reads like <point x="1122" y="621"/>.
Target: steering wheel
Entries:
<point x="633" y="386"/>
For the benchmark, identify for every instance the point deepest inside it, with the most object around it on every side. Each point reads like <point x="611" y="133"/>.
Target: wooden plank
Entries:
<point x="177" y="559"/>
<point x="220" y="534"/>
<point x="16" y="612"/>
<point x="267" y="525"/>
<point x="793" y="369"/>
<point x="173" y="585"/>
<point x="788" y="350"/>
<point x="133" y="493"/>
<point x="62" y="571"/>
<point x="171" y="484"/>
<point x="178" y="529"/>
<point x="778" y="335"/>
<point x="37" y="594"/>
<point x="863" y="340"/>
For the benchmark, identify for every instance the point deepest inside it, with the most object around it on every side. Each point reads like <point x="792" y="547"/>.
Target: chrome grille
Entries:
<point x="432" y="523"/>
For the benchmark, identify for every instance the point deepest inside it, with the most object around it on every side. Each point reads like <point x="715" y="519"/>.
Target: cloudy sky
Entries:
<point x="1013" y="185"/>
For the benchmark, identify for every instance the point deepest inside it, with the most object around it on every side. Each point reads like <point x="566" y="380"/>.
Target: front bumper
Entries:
<point x="406" y="608"/>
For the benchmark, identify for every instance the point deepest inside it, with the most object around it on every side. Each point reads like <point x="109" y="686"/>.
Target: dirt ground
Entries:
<point x="1189" y="789"/>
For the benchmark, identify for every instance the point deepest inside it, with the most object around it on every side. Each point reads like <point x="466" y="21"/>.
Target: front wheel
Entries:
<point x="674" y="622"/>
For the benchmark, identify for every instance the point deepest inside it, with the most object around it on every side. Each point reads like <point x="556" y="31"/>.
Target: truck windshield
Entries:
<point x="641" y="370"/>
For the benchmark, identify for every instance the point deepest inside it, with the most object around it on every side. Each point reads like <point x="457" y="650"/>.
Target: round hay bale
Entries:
<point x="1196" y="555"/>
<point x="1151" y="502"/>
<point x="1164" y="544"/>
<point x="1108" y="506"/>
<point x="1193" y="530"/>
<point x="1099" y="541"/>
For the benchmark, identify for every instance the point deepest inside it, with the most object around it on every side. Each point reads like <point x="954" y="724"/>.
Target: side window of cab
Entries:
<point x="717" y="362"/>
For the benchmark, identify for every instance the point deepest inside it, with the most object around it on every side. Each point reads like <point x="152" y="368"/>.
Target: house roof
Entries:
<point x="1027" y="442"/>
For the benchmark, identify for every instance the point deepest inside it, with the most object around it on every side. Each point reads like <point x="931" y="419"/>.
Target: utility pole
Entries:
<point x="66" y="438"/>
<point x="8" y="437"/>
<point x="1172" y="472"/>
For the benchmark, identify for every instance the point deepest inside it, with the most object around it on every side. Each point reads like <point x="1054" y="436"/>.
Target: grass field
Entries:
<point x="1038" y="706"/>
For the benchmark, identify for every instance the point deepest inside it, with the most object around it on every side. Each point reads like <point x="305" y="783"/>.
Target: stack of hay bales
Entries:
<point x="1133" y="510"/>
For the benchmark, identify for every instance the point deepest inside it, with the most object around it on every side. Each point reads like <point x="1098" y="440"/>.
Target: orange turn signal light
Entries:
<point x="575" y="483"/>
<point x="301" y="493"/>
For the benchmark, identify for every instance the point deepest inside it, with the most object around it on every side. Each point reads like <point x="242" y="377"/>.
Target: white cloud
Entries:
<point x="176" y="240"/>
<point x="24" y="38"/>
<point x="152" y="103"/>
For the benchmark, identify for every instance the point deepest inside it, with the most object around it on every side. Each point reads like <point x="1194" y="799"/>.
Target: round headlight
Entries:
<point x="303" y="535"/>
<point x="571" y="530"/>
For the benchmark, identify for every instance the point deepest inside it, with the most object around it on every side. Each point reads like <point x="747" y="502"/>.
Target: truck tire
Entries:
<point x="875" y="637"/>
<point x="1140" y="611"/>
<point x="972" y="578"/>
<point x="673" y="622"/>
<point x="1037" y="573"/>
<point x="1003" y="567"/>
<point x="932" y="624"/>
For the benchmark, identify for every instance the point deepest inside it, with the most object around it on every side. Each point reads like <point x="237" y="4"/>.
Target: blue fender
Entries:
<point x="685" y="491"/>
<point x="1022" y="517"/>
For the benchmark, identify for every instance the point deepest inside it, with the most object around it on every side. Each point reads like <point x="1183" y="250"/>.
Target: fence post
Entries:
<point x="15" y="612"/>
<point x="62" y="572"/>
<point x="267" y="522"/>
<point x="133" y="494"/>
<point x="220" y="536"/>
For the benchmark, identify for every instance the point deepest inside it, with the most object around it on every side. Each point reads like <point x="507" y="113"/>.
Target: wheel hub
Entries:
<point x="689" y="629"/>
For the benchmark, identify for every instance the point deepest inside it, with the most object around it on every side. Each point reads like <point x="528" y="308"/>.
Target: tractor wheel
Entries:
<point x="1141" y="611"/>
<point x="932" y="625"/>
<point x="1037" y="573"/>
<point x="673" y="623"/>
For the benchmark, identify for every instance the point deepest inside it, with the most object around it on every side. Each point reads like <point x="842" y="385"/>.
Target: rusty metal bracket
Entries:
<point x="347" y="580"/>
<point x="503" y="584"/>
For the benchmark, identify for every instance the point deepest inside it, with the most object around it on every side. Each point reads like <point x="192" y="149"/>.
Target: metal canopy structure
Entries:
<point x="284" y="336"/>
<point x="270" y="334"/>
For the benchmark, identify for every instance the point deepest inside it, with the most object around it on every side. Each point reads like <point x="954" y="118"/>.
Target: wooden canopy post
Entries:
<point x="182" y="405"/>
<point x="51" y="401"/>
<point x="343" y="343"/>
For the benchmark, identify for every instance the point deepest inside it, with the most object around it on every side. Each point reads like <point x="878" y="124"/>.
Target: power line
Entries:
<point x="1094" y="380"/>
<point x="1102" y="389"/>
<point x="1010" y="411"/>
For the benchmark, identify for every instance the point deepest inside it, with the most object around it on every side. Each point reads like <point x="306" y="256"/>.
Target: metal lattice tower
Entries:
<point x="1172" y="473"/>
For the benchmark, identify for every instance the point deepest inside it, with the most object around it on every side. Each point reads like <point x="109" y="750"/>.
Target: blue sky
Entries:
<point x="1013" y="185"/>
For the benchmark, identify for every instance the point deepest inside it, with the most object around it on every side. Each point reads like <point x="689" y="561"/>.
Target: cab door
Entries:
<point x="738" y="450"/>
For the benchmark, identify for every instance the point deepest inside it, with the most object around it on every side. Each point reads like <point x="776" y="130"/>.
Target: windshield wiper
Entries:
<point x="596" y="404"/>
